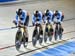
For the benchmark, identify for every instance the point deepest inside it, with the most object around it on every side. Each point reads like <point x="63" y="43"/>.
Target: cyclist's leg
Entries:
<point x="27" y="21"/>
<point x="56" y="35"/>
<point x="41" y="30"/>
<point x="62" y="18"/>
<point x="41" y="35"/>
<point x="26" y="34"/>
<point x="46" y="34"/>
<point x="35" y="32"/>
<point x="60" y="36"/>
<point x="61" y="32"/>
<point x="18" y="33"/>
<point x="50" y="38"/>
<point x="25" y="37"/>
<point x="53" y="18"/>
<point x="46" y="29"/>
<point x="50" y="33"/>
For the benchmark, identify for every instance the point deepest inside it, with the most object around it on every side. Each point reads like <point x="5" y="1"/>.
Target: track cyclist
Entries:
<point x="58" y="19"/>
<point x="22" y="18"/>
<point x="48" y="20"/>
<point x="38" y="31"/>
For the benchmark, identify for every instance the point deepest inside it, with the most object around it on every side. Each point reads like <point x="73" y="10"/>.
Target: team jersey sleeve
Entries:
<point x="33" y="19"/>
<point x="16" y="18"/>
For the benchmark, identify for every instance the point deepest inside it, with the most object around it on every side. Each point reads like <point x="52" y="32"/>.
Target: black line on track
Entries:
<point x="10" y="46"/>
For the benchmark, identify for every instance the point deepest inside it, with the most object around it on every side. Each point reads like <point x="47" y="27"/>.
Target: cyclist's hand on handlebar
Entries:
<point x="19" y="22"/>
<point x="14" y="22"/>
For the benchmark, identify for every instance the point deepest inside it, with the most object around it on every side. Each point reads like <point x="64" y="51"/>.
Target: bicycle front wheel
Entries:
<point x="25" y="40"/>
<point x="34" y="38"/>
<point x="18" y="40"/>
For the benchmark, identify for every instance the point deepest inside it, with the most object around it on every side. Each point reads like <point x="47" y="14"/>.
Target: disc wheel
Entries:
<point x="18" y="40"/>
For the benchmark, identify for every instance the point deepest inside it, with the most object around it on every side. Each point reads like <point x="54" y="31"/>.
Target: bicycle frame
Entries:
<point x="21" y="28"/>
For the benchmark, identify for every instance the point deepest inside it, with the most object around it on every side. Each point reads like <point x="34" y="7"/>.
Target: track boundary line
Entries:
<point x="10" y="46"/>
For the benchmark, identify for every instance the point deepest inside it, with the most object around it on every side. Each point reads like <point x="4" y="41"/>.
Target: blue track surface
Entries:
<point x="62" y="50"/>
<point x="6" y="0"/>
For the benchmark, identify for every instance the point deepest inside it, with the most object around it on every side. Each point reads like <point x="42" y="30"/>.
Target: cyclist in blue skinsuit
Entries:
<point x="22" y="17"/>
<point x="37" y="17"/>
<point x="48" y="19"/>
<point x="59" y="16"/>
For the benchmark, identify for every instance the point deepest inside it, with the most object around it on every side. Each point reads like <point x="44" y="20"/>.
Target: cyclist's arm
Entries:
<point x="60" y="16"/>
<point x="41" y="15"/>
<point x="33" y="19"/>
<point x="44" y="19"/>
<point x="40" y="18"/>
<point x="16" y="20"/>
<point x="24" y="18"/>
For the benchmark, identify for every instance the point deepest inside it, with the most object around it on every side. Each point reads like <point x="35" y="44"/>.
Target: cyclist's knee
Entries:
<point x="15" y="22"/>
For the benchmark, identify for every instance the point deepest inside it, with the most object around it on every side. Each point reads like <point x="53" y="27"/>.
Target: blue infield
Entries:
<point x="61" y="50"/>
<point x="6" y="1"/>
